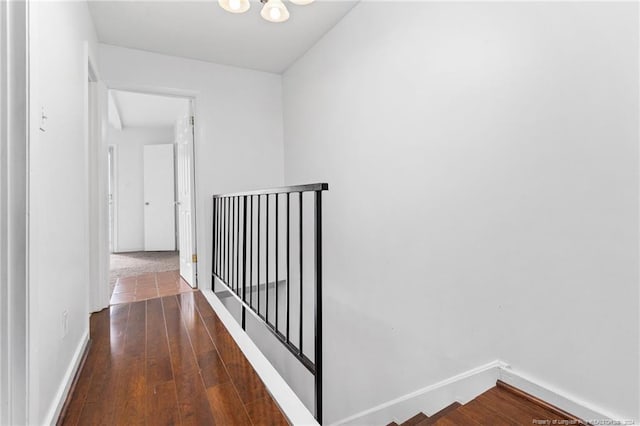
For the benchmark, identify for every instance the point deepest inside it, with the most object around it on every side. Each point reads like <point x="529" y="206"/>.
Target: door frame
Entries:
<point x="113" y="213"/>
<point x="192" y="96"/>
<point x="96" y="174"/>
<point x="14" y="223"/>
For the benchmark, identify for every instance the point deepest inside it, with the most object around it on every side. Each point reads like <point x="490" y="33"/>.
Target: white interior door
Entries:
<point x="159" y="198"/>
<point x="184" y="160"/>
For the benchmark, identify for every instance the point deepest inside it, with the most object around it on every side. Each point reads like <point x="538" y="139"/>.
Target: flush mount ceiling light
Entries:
<point x="272" y="11"/>
<point x="235" y="6"/>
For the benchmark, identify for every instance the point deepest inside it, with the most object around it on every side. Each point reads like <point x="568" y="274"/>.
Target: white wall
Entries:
<point x="238" y="142"/>
<point x="61" y="37"/>
<point x="483" y="168"/>
<point x="129" y="177"/>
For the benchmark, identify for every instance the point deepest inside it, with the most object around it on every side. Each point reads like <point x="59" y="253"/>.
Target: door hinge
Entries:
<point x="193" y="120"/>
<point x="194" y="258"/>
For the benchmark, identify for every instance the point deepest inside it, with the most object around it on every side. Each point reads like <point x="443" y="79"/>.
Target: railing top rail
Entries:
<point x="281" y="190"/>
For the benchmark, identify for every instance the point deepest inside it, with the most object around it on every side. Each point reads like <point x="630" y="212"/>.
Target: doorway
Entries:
<point x="151" y="202"/>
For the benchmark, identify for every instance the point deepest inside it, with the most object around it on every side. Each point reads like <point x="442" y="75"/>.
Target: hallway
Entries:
<point x="167" y="360"/>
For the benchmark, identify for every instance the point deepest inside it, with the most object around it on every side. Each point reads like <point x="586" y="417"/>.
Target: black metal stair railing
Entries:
<point x="241" y="246"/>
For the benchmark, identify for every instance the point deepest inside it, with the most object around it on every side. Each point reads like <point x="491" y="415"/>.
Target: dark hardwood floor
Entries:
<point x="171" y="361"/>
<point x="167" y="361"/>
<point x="502" y="405"/>
<point x="148" y="286"/>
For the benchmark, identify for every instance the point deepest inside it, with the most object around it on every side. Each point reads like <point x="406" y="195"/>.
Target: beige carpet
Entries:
<point x="142" y="262"/>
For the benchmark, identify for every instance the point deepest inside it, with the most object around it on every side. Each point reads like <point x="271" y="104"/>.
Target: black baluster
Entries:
<point x="266" y="252"/>
<point x="301" y="293"/>
<point x="215" y="239"/>
<point x="220" y="251"/>
<point x="259" y="254"/>
<point x="251" y="254"/>
<point x="276" y="322"/>
<point x="238" y="245"/>
<point x="213" y="247"/>
<point x="244" y="261"/>
<point x="318" y="304"/>
<point x="225" y="237"/>
<point x="219" y="218"/>
<point x="288" y="274"/>
<point x="233" y="242"/>
<point x="228" y="241"/>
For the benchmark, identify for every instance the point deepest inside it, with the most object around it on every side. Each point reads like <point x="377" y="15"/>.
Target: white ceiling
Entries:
<point x="203" y="30"/>
<point x="144" y="110"/>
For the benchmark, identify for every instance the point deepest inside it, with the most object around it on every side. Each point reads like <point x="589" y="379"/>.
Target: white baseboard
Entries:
<point x="585" y="411"/>
<point x="63" y="390"/>
<point x="283" y="395"/>
<point x="431" y="399"/>
<point x="466" y="386"/>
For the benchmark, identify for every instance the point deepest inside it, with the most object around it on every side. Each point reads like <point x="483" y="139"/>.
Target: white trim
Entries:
<point x="462" y="388"/>
<point x="152" y="90"/>
<point x="91" y="113"/>
<point x="14" y="145"/>
<point x="114" y="201"/>
<point x="63" y="391"/>
<point x="102" y="174"/>
<point x="95" y="117"/>
<point x="548" y="393"/>
<point x="4" y="343"/>
<point x="637" y="324"/>
<point x="194" y="192"/>
<point x="283" y="395"/>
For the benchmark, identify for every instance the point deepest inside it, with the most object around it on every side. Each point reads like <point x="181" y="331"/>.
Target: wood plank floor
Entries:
<point x="496" y="407"/>
<point x="148" y="286"/>
<point x="167" y="361"/>
<point x="500" y="407"/>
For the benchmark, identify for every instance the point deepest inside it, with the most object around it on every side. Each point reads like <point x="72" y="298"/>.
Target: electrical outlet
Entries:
<point x="65" y="323"/>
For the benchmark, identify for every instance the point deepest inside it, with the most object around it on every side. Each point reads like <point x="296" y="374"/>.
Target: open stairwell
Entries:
<point x="502" y="405"/>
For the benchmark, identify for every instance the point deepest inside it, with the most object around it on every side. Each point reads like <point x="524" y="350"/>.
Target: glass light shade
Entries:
<point x="301" y="2"/>
<point x="235" y="6"/>
<point x="275" y="11"/>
